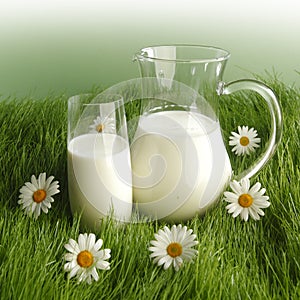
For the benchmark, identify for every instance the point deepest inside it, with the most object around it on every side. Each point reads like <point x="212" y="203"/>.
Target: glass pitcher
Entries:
<point x="178" y="144"/>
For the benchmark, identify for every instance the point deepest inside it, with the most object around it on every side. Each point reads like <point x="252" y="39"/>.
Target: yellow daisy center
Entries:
<point x="244" y="141"/>
<point x="85" y="259"/>
<point x="245" y="200"/>
<point x="174" y="249"/>
<point x="39" y="196"/>
<point x="100" y="127"/>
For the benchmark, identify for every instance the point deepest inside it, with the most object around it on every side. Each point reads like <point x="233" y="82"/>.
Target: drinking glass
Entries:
<point x="99" y="167"/>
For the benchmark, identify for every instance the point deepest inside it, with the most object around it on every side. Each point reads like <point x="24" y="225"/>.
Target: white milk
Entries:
<point x="180" y="164"/>
<point x="99" y="177"/>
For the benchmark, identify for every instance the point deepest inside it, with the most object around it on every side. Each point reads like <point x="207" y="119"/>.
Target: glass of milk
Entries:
<point x="99" y="166"/>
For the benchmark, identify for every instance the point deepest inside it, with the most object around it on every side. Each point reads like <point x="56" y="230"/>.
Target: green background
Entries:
<point x="69" y="46"/>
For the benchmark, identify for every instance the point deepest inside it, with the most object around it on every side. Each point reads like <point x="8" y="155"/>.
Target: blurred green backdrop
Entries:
<point x="69" y="46"/>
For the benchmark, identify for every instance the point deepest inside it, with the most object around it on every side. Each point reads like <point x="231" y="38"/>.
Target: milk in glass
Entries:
<point x="100" y="179"/>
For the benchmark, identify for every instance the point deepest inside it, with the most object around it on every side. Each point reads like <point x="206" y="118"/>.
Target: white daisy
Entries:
<point x="173" y="246"/>
<point x="36" y="195"/>
<point x="85" y="258"/>
<point x="245" y="201"/>
<point x="106" y="125"/>
<point x="245" y="141"/>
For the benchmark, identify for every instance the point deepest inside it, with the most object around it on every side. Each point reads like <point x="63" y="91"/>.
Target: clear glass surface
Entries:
<point x="99" y="167"/>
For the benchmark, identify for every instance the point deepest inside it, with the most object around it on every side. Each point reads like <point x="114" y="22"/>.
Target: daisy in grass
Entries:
<point x="106" y="125"/>
<point x="245" y="201"/>
<point x="85" y="257"/>
<point x="37" y="195"/>
<point x="245" y="141"/>
<point x="173" y="247"/>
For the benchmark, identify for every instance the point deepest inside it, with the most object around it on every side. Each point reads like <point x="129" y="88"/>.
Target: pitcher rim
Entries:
<point x="225" y="54"/>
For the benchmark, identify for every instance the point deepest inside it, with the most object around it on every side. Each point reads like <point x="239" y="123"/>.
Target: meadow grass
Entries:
<point x="237" y="260"/>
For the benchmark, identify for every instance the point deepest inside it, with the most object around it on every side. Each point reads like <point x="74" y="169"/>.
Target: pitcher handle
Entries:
<point x="276" y="119"/>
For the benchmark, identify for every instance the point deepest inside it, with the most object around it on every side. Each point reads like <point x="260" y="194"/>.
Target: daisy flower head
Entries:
<point x="173" y="247"/>
<point x="85" y="257"/>
<point x="245" y="201"/>
<point x="245" y="141"/>
<point x="37" y="194"/>
<point x="103" y="125"/>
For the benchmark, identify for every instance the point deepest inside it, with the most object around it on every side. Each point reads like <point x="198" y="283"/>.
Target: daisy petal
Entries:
<point x="90" y="241"/>
<point x="98" y="245"/>
<point x="34" y="182"/>
<point x="41" y="181"/>
<point x="82" y="242"/>
<point x="95" y="274"/>
<point x="74" y="271"/>
<point x="103" y="265"/>
<point x="48" y="182"/>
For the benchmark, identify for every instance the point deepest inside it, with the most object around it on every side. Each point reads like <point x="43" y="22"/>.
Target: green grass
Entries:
<point x="237" y="260"/>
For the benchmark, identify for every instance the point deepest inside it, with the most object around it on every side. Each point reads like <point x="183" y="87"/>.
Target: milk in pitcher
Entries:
<point x="180" y="165"/>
